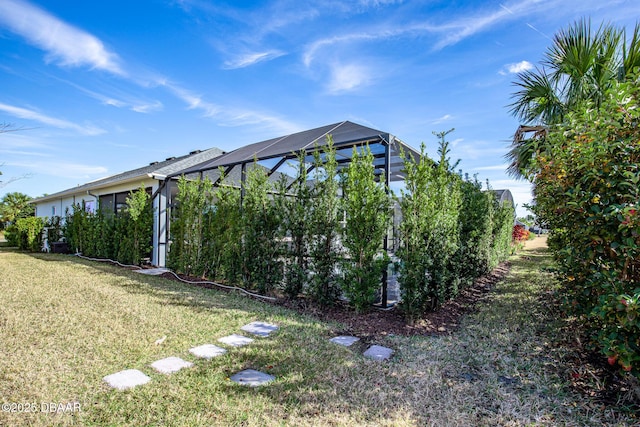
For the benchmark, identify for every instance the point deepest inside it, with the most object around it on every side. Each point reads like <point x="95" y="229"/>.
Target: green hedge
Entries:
<point x="587" y="190"/>
<point x="125" y="236"/>
<point x="320" y="234"/>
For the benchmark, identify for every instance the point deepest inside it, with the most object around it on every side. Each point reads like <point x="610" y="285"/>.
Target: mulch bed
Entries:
<point x="391" y="321"/>
<point x="379" y="322"/>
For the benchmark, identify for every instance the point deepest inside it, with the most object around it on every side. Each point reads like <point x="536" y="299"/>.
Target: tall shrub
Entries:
<point x="29" y="233"/>
<point x="587" y="191"/>
<point x="367" y="207"/>
<point x="54" y="229"/>
<point x="193" y="199"/>
<point x="324" y="226"/>
<point x="136" y="228"/>
<point x="224" y="234"/>
<point x="430" y="206"/>
<point x="297" y="205"/>
<point x="76" y="228"/>
<point x="473" y="257"/>
<point x="261" y="226"/>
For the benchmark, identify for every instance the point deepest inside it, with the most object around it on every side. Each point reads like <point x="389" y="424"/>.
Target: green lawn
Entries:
<point x="65" y="323"/>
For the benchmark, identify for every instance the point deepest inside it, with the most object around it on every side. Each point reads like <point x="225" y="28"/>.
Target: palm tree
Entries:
<point x="579" y="66"/>
<point x="14" y="206"/>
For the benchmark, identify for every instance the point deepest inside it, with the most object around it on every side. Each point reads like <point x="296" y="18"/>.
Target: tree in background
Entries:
<point x="14" y="206"/>
<point x="580" y="65"/>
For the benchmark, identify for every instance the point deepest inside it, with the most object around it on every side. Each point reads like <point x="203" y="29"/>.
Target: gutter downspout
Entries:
<point x="95" y="197"/>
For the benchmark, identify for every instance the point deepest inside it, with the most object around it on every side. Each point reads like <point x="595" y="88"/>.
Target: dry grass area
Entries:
<point x="65" y="323"/>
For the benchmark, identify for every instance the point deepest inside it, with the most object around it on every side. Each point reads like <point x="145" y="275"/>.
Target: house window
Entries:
<point x="53" y="211"/>
<point x="116" y="202"/>
<point x="121" y="201"/>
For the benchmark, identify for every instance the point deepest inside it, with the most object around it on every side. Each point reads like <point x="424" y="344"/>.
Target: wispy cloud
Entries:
<point x="500" y="167"/>
<point x="228" y="116"/>
<point x="445" y="118"/>
<point x="63" y="169"/>
<point x="122" y="101"/>
<point x="63" y="43"/>
<point x="516" y="67"/>
<point x="237" y="117"/>
<point x="249" y="59"/>
<point x="348" y="77"/>
<point x="194" y="101"/>
<point x="24" y="113"/>
<point x="312" y="49"/>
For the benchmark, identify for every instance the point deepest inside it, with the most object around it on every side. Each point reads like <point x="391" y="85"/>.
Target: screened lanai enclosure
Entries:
<point x="284" y="157"/>
<point x="286" y="161"/>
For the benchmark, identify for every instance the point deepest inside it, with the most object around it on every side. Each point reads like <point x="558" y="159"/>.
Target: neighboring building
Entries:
<point x="111" y="193"/>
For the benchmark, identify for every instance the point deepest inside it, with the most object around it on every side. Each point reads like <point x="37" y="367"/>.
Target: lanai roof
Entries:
<point x="346" y="135"/>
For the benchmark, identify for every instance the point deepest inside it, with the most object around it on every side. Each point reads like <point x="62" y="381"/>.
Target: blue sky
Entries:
<point x="98" y="88"/>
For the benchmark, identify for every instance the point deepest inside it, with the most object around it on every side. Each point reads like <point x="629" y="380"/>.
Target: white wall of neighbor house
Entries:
<point x="60" y="207"/>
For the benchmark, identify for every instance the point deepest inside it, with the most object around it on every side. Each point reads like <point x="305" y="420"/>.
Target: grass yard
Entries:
<point x="65" y="323"/>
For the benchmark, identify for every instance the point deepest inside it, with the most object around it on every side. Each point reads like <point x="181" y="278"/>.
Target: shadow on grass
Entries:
<point x="165" y="291"/>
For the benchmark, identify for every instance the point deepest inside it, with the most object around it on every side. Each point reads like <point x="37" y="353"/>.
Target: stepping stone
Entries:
<point x="252" y="378"/>
<point x="236" y="340"/>
<point x="170" y="365"/>
<point x="260" y="328"/>
<point x="344" y="340"/>
<point x="378" y="352"/>
<point x="207" y="351"/>
<point x="126" y="379"/>
<point x="153" y="271"/>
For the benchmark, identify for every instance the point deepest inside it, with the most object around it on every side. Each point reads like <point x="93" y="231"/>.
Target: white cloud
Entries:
<point x="312" y="49"/>
<point x="442" y="119"/>
<point x="500" y="167"/>
<point x="24" y="113"/>
<point x="345" y="78"/>
<point x="193" y="101"/>
<point x="147" y="107"/>
<point x="516" y="67"/>
<point x="63" y="43"/>
<point x="467" y="26"/>
<point x="249" y="59"/>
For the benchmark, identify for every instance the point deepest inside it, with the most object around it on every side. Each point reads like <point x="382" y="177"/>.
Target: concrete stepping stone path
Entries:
<point x="170" y="365"/>
<point x="236" y="340"/>
<point x="130" y="378"/>
<point x="126" y="379"/>
<point x="207" y="351"/>
<point x="378" y="352"/>
<point x="261" y="329"/>
<point x="345" y="340"/>
<point x="252" y="378"/>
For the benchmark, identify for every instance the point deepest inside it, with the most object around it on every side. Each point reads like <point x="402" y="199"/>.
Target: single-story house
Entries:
<point x="111" y="193"/>
<point x="280" y="157"/>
